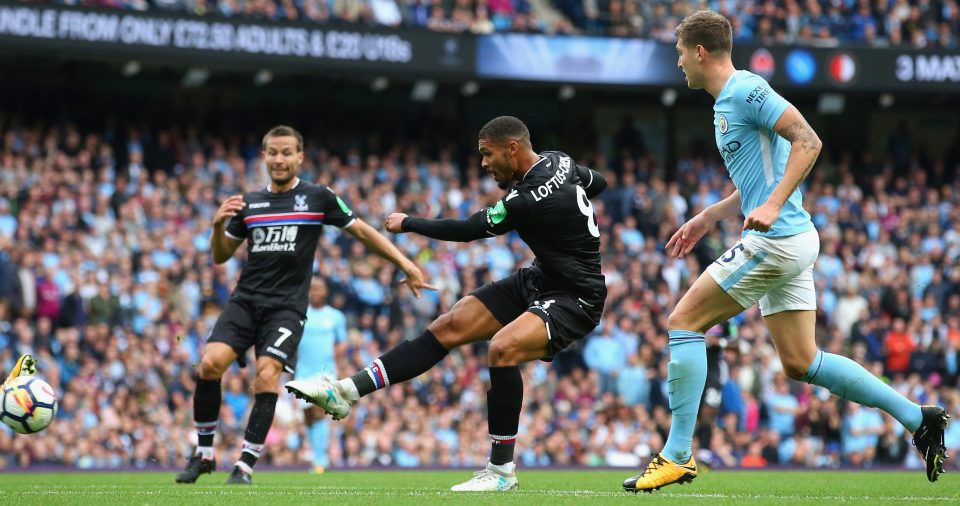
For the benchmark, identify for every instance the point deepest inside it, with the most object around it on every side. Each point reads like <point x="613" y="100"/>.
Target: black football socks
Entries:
<point x="206" y="410"/>
<point x="404" y="362"/>
<point x="261" y="417"/>
<point x="503" y="412"/>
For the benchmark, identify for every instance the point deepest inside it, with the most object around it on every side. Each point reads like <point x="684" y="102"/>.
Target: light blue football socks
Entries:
<point x="686" y="377"/>
<point x="849" y="380"/>
<point x="318" y="433"/>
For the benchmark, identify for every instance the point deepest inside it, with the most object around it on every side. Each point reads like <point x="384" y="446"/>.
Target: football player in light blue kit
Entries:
<point x="768" y="149"/>
<point x="326" y="328"/>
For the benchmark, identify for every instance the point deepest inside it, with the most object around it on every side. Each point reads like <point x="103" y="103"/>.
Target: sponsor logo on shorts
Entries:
<point x="544" y="305"/>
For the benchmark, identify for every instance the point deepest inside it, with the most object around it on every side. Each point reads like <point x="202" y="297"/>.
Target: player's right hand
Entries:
<point x="394" y="223"/>
<point x="228" y="209"/>
<point x="416" y="281"/>
<point x="687" y="237"/>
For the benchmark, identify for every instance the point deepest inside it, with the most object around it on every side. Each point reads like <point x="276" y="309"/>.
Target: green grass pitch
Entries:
<point x="427" y="488"/>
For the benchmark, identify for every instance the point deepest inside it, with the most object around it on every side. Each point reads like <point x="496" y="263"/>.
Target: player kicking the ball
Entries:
<point x="533" y="314"/>
<point x="768" y="149"/>
<point x="282" y="225"/>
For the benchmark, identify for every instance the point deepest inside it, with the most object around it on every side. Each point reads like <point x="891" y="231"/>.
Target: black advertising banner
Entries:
<point x="876" y="70"/>
<point x="604" y="60"/>
<point x="240" y="43"/>
<point x="232" y="42"/>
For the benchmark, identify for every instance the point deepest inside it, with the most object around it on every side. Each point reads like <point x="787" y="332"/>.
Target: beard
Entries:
<point x="283" y="179"/>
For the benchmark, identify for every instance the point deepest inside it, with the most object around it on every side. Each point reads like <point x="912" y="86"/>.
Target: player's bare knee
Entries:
<point x="267" y="381"/>
<point x="501" y="354"/>
<point x="794" y="373"/>
<point x="441" y="327"/>
<point x="683" y="320"/>
<point x="210" y="369"/>
<point x="269" y="370"/>
<point x="268" y="386"/>
<point x="495" y="354"/>
<point x="446" y="329"/>
<point x="795" y="367"/>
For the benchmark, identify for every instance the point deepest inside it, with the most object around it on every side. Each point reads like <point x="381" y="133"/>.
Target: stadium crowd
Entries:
<point x="914" y="23"/>
<point x="106" y="277"/>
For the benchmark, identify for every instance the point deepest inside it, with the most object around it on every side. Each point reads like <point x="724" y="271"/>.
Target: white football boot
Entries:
<point x="326" y="393"/>
<point x="491" y="479"/>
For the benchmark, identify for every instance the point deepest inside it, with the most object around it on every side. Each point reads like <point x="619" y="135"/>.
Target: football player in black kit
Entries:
<point x="533" y="314"/>
<point x="281" y="225"/>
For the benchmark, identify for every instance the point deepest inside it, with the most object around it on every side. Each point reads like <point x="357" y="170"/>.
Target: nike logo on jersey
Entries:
<point x="513" y="193"/>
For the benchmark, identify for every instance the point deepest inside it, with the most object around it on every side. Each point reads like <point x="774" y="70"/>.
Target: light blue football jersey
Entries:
<point x="325" y="327"/>
<point x="756" y="157"/>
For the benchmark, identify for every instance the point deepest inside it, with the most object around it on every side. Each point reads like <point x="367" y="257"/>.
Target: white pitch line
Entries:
<point x="361" y="492"/>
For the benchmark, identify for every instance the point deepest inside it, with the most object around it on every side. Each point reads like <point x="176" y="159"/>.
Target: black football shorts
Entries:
<point x="567" y="318"/>
<point x="272" y="331"/>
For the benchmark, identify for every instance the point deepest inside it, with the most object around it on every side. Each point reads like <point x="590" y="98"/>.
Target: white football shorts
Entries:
<point x="776" y="271"/>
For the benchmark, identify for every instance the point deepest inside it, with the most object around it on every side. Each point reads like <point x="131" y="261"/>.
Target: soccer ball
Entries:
<point x="28" y="405"/>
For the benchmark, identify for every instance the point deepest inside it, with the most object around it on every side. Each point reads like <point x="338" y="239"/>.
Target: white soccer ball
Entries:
<point x="28" y="405"/>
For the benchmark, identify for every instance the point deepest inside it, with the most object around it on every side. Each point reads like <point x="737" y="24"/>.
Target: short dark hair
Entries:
<point x="708" y="29"/>
<point x="504" y="128"/>
<point x="283" y="131"/>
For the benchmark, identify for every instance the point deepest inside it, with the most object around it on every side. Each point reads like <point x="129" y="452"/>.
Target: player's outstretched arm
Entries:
<point x="222" y="246"/>
<point x="377" y="243"/>
<point x="805" y="147"/>
<point x="687" y="236"/>
<point x="724" y="209"/>
<point x="470" y="229"/>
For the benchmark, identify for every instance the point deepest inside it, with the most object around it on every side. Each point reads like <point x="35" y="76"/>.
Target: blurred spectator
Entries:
<point x="899" y="345"/>
<point x="605" y="355"/>
<point x="783" y="408"/>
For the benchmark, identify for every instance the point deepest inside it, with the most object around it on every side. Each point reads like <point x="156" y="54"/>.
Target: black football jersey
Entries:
<point x="282" y="231"/>
<point x="550" y="210"/>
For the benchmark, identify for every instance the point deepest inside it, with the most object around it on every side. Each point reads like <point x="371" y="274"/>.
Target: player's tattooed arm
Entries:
<point x="805" y="148"/>
<point x="796" y="130"/>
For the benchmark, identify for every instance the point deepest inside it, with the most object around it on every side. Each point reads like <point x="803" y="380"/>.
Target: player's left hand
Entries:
<point x="762" y="218"/>
<point x="394" y="222"/>
<point x="415" y="279"/>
